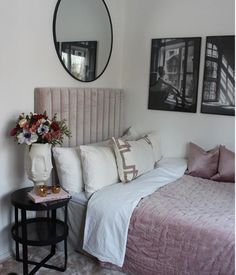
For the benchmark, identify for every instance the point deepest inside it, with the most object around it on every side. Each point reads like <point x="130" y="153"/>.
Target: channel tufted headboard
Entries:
<point x="92" y="114"/>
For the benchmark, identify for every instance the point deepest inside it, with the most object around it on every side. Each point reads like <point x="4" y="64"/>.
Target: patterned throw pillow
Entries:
<point x="155" y="139"/>
<point x="134" y="158"/>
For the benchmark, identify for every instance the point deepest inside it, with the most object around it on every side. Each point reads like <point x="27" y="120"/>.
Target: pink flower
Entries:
<point x="33" y="128"/>
<point x="51" y="136"/>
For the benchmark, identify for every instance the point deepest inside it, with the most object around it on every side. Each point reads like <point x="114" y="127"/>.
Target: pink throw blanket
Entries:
<point x="186" y="227"/>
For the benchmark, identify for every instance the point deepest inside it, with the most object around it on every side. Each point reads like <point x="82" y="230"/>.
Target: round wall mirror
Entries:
<point x="83" y="37"/>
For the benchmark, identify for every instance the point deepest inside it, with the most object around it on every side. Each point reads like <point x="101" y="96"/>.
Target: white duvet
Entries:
<point x="109" y="210"/>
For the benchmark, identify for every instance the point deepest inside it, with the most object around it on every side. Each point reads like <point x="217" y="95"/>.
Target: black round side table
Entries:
<point x="39" y="231"/>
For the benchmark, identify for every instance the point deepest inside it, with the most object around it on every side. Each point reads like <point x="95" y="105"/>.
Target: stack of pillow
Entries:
<point x="216" y="164"/>
<point x="91" y="167"/>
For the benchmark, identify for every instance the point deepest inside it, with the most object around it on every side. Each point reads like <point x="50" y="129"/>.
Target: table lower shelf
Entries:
<point x="40" y="231"/>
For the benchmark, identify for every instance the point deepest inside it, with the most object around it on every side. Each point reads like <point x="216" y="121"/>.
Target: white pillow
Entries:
<point x="134" y="158"/>
<point x="130" y="134"/>
<point x="99" y="167"/>
<point x="69" y="169"/>
<point x="155" y="139"/>
<point x="69" y="166"/>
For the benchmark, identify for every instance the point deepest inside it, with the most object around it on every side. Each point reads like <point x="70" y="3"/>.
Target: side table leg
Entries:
<point x="54" y="215"/>
<point x="24" y="245"/>
<point x="65" y="249"/>
<point x="17" y="244"/>
<point x="53" y="249"/>
<point x="65" y="241"/>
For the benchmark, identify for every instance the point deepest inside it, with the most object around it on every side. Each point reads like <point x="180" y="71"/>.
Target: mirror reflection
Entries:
<point x="83" y="37"/>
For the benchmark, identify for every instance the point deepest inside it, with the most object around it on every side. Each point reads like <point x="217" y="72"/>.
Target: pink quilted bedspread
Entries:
<point x="186" y="227"/>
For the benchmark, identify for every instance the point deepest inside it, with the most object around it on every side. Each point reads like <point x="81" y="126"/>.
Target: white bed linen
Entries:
<point x="76" y="220"/>
<point x="109" y="210"/>
<point x="79" y="198"/>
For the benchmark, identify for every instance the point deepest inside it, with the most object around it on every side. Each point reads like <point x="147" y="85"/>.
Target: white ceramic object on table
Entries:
<point x="39" y="163"/>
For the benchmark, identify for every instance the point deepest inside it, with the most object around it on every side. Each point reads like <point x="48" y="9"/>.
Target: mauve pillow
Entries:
<point x="202" y="163"/>
<point x="226" y="168"/>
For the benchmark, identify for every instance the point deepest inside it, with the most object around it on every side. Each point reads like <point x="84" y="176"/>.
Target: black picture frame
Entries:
<point x="218" y="95"/>
<point x="174" y="72"/>
<point x="87" y="50"/>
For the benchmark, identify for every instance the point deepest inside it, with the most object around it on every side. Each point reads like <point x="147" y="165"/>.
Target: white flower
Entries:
<point x="27" y="137"/>
<point x="43" y="129"/>
<point x="42" y="120"/>
<point x="22" y="122"/>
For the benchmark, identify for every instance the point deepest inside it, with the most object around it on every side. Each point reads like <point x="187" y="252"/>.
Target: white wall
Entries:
<point x="165" y="19"/>
<point x="27" y="60"/>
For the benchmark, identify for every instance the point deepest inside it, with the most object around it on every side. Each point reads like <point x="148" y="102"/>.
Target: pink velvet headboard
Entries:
<point x="92" y="114"/>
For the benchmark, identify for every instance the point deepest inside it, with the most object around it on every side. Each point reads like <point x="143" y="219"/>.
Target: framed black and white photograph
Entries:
<point x="174" y="72"/>
<point x="218" y="95"/>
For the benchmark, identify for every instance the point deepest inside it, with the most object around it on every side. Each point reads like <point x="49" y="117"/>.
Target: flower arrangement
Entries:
<point x="38" y="128"/>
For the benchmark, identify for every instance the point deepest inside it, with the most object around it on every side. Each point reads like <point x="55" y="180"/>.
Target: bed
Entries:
<point x="177" y="224"/>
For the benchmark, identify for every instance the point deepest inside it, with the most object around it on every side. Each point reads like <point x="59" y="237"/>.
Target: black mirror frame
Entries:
<point x="55" y="42"/>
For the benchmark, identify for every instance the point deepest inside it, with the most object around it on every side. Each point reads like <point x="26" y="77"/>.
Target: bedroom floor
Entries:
<point x="77" y="264"/>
